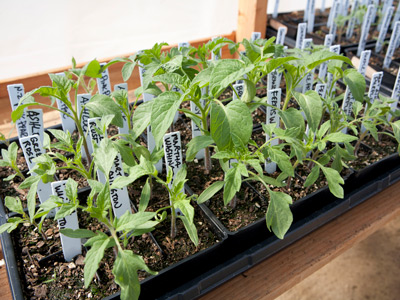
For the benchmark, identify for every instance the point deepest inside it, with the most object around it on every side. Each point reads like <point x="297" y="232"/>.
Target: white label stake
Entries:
<point x="273" y="99"/>
<point x="34" y="122"/>
<point x="280" y="36"/>
<point x="275" y="13"/>
<point x="392" y="45"/>
<point x="384" y="29"/>
<point x="83" y="99"/>
<point x="368" y="18"/>
<point x="301" y="34"/>
<point x="395" y="95"/>
<point x="15" y="93"/>
<point x="196" y="131"/>
<point x="311" y="16"/>
<point x="274" y="80"/>
<point x="32" y="148"/>
<point x="71" y="247"/>
<point x="103" y="83"/>
<point x="173" y="154"/>
<point x="352" y="21"/>
<point x="119" y="197"/>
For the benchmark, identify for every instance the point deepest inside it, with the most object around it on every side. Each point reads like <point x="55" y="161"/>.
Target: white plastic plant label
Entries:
<point x="307" y="43"/>
<point x="103" y="83"/>
<point x="15" y="93"/>
<point x="276" y="6"/>
<point x="392" y="45"/>
<point x="320" y="88"/>
<point x="124" y="129"/>
<point x="364" y="60"/>
<point x="345" y="7"/>
<point x="66" y="122"/>
<point x="301" y="34"/>
<point x="311" y="16"/>
<point x="306" y="11"/>
<point x="396" y="17"/>
<point x="352" y="21"/>
<point x="71" y="247"/>
<point x="83" y="99"/>
<point x="95" y="138"/>
<point x="183" y="45"/>
<point x="274" y="80"/>
<point x="255" y="36"/>
<point x="332" y="13"/>
<point x="335" y="14"/>
<point x="368" y="18"/>
<point x="384" y="29"/>
<point x="32" y="148"/>
<point x="196" y="131"/>
<point x="308" y="82"/>
<point x="280" y="36"/>
<point x="348" y="100"/>
<point x="239" y="88"/>
<point x="386" y="5"/>
<point x="329" y="84"/>
<point x="375" y="86"/>
<point x="395" y="95"/>
<point x="34" y="122"/>
<point x="119" y="197"/>
<point x="173" y="153"/>
<point x="322" y="9"/>
<point x="273" y="99"/>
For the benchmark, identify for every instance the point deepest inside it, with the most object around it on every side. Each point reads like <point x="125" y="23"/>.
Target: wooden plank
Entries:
<point x="33" y="81"/>
<point x="252" y="18"/>
<point x="279" y="273"/>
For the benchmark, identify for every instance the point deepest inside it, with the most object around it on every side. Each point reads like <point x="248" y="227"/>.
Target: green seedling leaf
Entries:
<point x="141" y="220"/>
<point x="312" y="177"/>
<point x="279" y="216"/>
<point x="356" y="82"/>
<point x="173" y="79"/>
<point x="14" y="204"/>
<point x="277" y="62"/>
<point x="334" y="180"/>
<point x="196" y="144"/>
<point x="210" y="192"/>
<point x="104" y="156"/>
<point x="127" y="70"/>
<point x="65" y="210"/>
<point x="249" y="91"/>
<point x="339" y="137"/>
<point x="145" y="196"/>
<point x="233" y="181"/>
<point x="162" y="114"/>
<point x="92" y="69"/>
<point x="135" y="173"/>
<point x="202" y="78"/>
<point x="102" y="105"/>
<point x="225" y="72"/>
<point x="95" y="254"/>
<point x="125" y="271"/>
<point x="190" y="229"/>
<point x="311" y="104"/>
<point x="292" y="118"/>
<point x="317" y="58"/>
<point x="282" y="159"/>
<point x="71" y="189"/>
<point x="77" y="233"/>
<point x="141" y="118"/>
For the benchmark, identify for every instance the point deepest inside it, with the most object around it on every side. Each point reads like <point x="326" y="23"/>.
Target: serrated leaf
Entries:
<point x="141" y="118"/>
<point x="312" y="177"/>
<point x="311" y="104"/>
<point x="356" y="82"/>
<point x="162" y="114"/>
<point x="102" y="105"/>
<point x="339" y="137"/>
<point x="190" y="229"/>
<point x="77" y="233"/>
<point x="233" y="182"/>
<point x="125" y="271"/>
<point x="210" y="192"/>
<point x="145" y="196"/>
<point x="334" y="180"/>
<point x="93" y="257"/>
<point x="196" y="144"/>
<point x="14" y="204"/>
<point x="279" y="216"/>
<point x="225" y="72"/>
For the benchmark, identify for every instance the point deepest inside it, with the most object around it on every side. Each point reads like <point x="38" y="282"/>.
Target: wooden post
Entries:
<point x="252" y="18"/>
